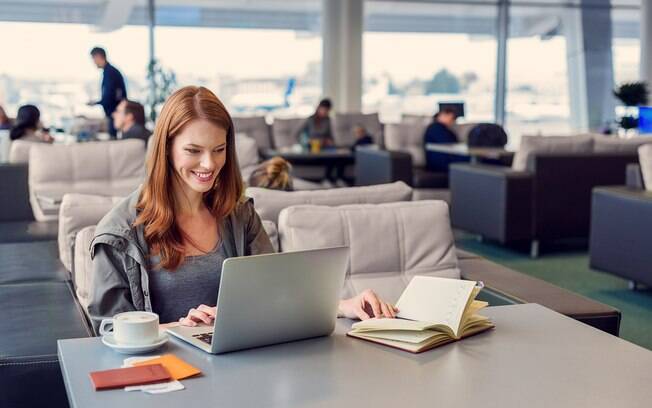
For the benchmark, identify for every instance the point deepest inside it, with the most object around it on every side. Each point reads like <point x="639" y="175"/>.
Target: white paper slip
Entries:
<point x="159" y="388"/>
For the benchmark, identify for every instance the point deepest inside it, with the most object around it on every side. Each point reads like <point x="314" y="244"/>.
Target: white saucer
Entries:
<point x="108" y="340"/>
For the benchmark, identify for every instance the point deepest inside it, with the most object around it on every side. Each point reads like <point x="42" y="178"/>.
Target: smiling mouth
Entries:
<point x="203" y="177"/>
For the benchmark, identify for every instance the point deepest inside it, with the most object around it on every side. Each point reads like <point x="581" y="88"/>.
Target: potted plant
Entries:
<point x="632" y="95"/>
<point x="164" y="82"/>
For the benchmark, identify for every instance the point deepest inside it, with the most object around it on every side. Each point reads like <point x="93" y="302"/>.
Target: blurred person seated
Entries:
<point x="28" y="126"/>
<point x="129" y="120"/>
<point x="362" y="136"/>
<point x="273" y="174"/>
<point x="5" y="122"/>
<point x="318" y="126"/>
<point x="439" y="131"/>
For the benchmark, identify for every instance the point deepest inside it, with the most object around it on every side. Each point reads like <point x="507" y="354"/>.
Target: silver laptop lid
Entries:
<point x="275" y="298"/>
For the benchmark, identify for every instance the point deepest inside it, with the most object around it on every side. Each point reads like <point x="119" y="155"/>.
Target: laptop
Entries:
<point x="273" y="298"/>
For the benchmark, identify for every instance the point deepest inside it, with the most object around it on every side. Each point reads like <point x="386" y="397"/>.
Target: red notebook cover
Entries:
<point x="122" y="377"/>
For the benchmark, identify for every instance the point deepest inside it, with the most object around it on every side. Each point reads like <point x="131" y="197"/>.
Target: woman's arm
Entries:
<point x="110" y="293"/>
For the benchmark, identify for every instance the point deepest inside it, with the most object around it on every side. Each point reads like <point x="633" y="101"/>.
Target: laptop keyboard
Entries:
<point x="205" y="337"/>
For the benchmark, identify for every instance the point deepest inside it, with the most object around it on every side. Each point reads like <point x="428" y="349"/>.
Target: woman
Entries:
<point x="318" y="126"/>
<point x="28" y="126"/>
<point x="161" y="249"/>
<point x="273" y="174"/>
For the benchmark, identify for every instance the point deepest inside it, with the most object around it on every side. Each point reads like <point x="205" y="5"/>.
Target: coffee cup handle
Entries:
<point x="103" y="330"/>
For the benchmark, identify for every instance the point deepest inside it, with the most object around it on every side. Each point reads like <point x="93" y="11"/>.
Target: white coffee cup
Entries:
<point x="132" y="328"/>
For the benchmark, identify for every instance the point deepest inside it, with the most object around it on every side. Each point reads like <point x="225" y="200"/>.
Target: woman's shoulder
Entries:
<point x="119" y="221"/>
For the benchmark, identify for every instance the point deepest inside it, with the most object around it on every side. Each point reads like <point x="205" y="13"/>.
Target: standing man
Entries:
<point x="113" y="87"/>
<point x="129" y="119"/>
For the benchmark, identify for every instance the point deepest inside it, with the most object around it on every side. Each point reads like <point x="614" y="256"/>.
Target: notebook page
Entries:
<point x="435" y="300"/>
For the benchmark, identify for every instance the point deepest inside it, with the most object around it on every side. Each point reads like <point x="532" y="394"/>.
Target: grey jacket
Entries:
<point x="120" y="256"/>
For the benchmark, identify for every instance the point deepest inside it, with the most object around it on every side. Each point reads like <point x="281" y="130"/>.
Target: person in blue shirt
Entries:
<point x="439" y="131"/>
<point x="113" y="88"/>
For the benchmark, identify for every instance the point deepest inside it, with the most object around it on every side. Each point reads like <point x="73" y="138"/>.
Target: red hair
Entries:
<point x="156" y="204"/>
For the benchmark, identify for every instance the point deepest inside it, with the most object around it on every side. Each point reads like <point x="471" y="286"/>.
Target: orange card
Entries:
<point x="178" y="368"/>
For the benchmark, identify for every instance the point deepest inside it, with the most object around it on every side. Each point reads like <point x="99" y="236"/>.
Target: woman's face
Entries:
<point x="323" y="111"/>
<point x="198" y="154"/>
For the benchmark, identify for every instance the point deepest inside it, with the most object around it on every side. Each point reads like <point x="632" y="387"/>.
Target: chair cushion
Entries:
<point x="389" y="243"/>
<point x="256" y="128"/>
<point x="645" y="160"/>
<point x="613" y="144"/>
<point x="550" y="144"/>
<point x="423" y="178"/>
<point x="284" y="131"/>
<point x="343" y="124"/>
<point x="246" y="149"/>
<point x="76" y="212"/>
<point x="31" y="262"/>
<point x="114" y="168"/>
<point x="269" y="203"/>
<point x="407" y="137"/>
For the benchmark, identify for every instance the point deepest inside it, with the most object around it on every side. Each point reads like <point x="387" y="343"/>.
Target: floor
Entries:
<point x="567" y="265"/>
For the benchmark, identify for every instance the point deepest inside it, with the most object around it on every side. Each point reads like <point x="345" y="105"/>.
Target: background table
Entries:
<point x="534" y="358"/>
<point x="326" y="156"/>
<point x="475" y="154"/>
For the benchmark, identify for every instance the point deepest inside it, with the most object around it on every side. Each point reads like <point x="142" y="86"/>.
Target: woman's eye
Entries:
<point x="192" y="151"/>
<point x="219" y="149"/>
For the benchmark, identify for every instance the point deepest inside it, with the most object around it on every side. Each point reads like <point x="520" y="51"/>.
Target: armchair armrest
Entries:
<point x="14" y="193"/>
<point x="634" y="177"/>
<point x="377" y="166"/>
<point x="621" y="230"/>
<point x="493" y="201"/>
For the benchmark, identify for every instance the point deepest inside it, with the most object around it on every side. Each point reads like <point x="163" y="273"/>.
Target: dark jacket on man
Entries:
<point x="439" y="133"/>
<point x="137" y="131"/>
<point x="113" y="89"/>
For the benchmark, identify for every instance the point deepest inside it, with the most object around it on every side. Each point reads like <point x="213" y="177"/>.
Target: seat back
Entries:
<point x="550" y="144"/>
<point x="114" y="168"/>
<point x="487" y="135"/>
<point x="76" y="212"/>
<point x="389" y="243"/>
<point x="269" y="203"/>
<point x="645" y="160"/>
<point x="284" y="131"/>
<point x="255" y="127"/>
<point x="562" y="189"/>
<point x="343" y="124"/>
<point x="408" y="138"/>
<point x="19" y="151"/>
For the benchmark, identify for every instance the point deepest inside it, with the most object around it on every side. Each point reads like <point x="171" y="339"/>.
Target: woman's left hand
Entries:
<point x="365" y="306"/>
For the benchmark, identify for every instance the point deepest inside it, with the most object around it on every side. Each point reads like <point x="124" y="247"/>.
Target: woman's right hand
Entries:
<point x="200" y="314"/>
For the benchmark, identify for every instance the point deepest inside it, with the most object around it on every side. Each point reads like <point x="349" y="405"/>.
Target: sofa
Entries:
<point x="113" y="168"/>
<point x="621" y="225"/>
<point x="544" y="196"/>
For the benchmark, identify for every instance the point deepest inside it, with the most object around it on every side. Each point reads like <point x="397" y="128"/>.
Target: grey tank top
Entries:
<point x="195" y="282"/>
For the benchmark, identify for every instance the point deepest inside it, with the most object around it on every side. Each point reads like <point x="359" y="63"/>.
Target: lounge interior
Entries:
<point x="541" y="196"/>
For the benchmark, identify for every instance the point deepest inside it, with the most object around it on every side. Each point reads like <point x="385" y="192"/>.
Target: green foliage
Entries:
<point x="632" y="93"/>
<point x="164" y="81"/>
<point x="443" y="82"/>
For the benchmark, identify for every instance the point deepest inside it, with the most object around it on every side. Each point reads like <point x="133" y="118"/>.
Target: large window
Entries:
<point x="626" y="45"/>
<point x="49" y="65"/>
<point x="416" y="55"/>
<point x="537" y="74"/>
<point x="251" y="70"/>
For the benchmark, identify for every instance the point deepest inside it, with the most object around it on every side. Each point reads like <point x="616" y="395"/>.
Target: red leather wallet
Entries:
<point x="122" y="377"/>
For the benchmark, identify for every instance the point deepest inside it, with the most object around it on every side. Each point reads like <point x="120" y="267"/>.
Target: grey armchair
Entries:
<point x="548" y="201"/>
<point x="621" y="230"/>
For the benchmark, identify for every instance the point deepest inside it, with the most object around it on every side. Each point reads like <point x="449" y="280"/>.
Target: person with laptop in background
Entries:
<point x="161" y="249"/>
<point x="440" y="131"/>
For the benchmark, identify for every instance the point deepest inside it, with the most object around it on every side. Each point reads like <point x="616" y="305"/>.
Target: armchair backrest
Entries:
<point x="389" y="243"/>
<point x="19" y="151"/>
<point x="562" y="189"/>
<point x="284" y="131"/>
<point x="343" y="124"/>
<point x="269" y="203"/>
<point x="114" y="168"/>
<point x="645" y="160"/>
<point x="550" y="144"/>
<point x="14" y="193"/>
<point x="407" y="137"/>
<point x="255" y="127"/>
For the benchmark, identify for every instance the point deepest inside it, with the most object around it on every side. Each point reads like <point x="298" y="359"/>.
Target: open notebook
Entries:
<point x="432" y="312"/>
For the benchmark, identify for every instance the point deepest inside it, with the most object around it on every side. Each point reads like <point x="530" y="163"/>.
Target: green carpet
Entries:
<point x="570" y="269"/>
